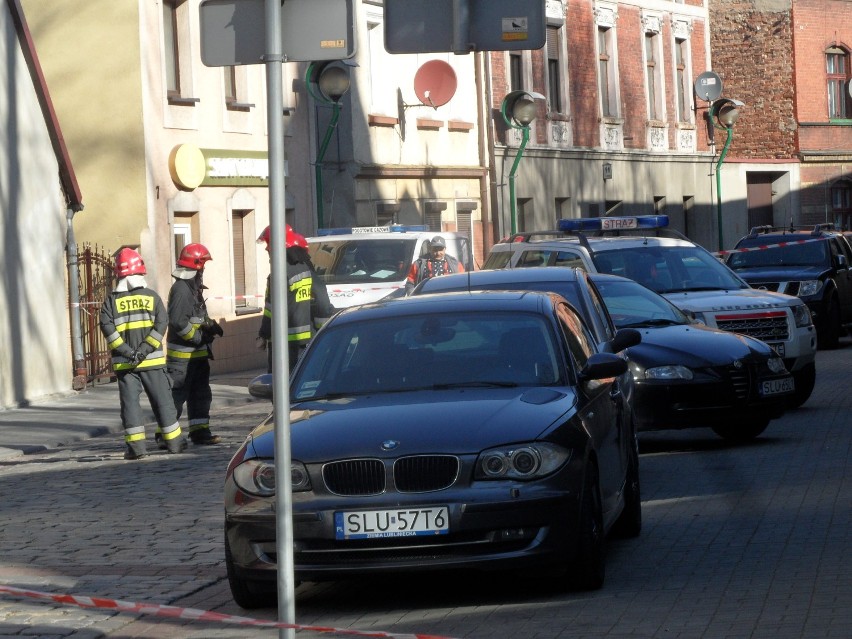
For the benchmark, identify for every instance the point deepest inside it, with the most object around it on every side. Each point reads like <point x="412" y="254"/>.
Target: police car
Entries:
<point x="643" y="249"/>
<point x="365" y="264"/>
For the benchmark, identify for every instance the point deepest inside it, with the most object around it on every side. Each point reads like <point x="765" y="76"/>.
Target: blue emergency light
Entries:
<point x="613" y="223"/>
<point x="357" y="230"/>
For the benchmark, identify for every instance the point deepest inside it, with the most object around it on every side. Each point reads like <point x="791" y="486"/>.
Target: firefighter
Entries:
<point x="189" y="343"/>
<point x="438" y="262"/>
<point x="133" y="319"/>
<point x="308" y="306"/>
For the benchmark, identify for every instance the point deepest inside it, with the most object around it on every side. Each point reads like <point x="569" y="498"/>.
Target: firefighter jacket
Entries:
<point x="299" y="286"/>
<point x="427" y="267"/>
<point x="187" y="313"/>
<point x="134" y="319"/>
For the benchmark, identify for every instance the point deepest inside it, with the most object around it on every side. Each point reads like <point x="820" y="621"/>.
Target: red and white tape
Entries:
<point x="763" y="247"/>
<point x="194" y="614"/>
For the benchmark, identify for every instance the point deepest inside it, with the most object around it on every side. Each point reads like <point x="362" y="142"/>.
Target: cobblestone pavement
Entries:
<point x="746" y="541"/>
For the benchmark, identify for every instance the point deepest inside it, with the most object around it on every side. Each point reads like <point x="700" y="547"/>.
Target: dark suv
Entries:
<point x="813" y="264"/>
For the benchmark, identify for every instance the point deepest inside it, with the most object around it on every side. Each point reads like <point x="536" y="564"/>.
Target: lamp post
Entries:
<point x="723" y="114"/>
<point x="332" y="82"/>
<point x="519" y="110"/>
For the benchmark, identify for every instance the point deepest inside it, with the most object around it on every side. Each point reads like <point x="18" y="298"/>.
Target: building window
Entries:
<point x="606" y="68"/>
<point x="837" y="70"/>
<point x="516" y="72"/>
<point x="230" y="85"/>
<point x="172" y="50"/>
<point x="841" y="203"/>
<point x="682" y="84"/>
<point x="554" y="70"/>
<point x="653" y="76"/>
<point x="182" y="236"/>
<point x="238" y="244"/>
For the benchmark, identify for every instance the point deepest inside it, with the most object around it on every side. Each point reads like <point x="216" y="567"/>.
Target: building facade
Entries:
<point x="793" y="145"/>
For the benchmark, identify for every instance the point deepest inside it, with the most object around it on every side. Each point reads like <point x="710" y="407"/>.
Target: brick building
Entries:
<point x="789" y="62"/>
<point x="619" y="130"/>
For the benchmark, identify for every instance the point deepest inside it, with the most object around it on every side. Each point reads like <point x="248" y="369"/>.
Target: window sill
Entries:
<point x="458" y="125"/>
<point x="382" y="120"/>
<point x="247" y="310"/>
<point x="433" y="125"/>
<point x="238" y="106"/>
<point x="181" y="101"/>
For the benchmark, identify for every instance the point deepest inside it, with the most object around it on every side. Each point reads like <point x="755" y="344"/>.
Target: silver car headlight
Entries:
<point x="668" y="372"/>
<point x="802" y="315"/>
<point x="257" y="477"/>
<point x="522" y="461"/>
<point x="776" y="365"/>
<point x="810" y="287"/>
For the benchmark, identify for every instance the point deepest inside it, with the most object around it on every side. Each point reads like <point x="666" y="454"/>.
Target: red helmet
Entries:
<point x="194" y="256"/>
<point x="129" y="262"/>
<point x="292" y="239"/>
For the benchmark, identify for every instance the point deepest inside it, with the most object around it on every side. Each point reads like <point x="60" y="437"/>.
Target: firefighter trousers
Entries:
<point x="191" y="386"/>
<point x="156" y="385"/>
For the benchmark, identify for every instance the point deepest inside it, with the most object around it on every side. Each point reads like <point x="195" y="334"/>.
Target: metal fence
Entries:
<point x="95" y="281"/>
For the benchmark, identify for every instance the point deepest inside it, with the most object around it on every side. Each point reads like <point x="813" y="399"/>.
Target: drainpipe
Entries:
<point x="78" y="357"/>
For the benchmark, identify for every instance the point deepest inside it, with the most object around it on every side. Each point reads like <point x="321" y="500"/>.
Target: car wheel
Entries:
<point x="741" y="431"/>
<point x="805" y="379"/>
<point x="629" y="522"/>
<point x="589" y="567"/>
<point x="248" y="594"/>
<point x="831" y="328"/>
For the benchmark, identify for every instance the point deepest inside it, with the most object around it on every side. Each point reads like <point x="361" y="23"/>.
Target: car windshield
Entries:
<point x="631" y="305"/>
<point x="362" y="261"/>
<point x="806" y="253"/>
<point x="669" y="269"/>
<point x="452" y="350"/>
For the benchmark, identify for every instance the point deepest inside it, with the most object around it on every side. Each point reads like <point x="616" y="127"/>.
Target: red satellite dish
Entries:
<point x="435" y="83"/>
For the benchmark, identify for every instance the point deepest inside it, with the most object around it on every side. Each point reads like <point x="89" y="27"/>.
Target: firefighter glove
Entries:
<point x="260" y="343"/>
<point x="138" y="357"/>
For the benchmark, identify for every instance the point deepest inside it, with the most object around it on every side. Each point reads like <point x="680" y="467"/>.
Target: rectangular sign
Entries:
<point x="462" y="26"/>
<point x="233" y="32"/>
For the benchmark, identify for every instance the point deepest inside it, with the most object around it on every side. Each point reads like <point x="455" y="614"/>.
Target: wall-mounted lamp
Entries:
<point x="723" y="115"/>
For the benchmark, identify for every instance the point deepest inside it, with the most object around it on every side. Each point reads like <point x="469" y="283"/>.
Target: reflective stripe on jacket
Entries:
<point x="129" y="319"/>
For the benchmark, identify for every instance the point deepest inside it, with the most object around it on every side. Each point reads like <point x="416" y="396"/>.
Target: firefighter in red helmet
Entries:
<point x="189" y="345"/>
<point x="307" y="299"/>
<point x="133" y="319"/>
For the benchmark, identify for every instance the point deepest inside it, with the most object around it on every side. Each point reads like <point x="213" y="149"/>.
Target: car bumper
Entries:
<point x="661" y="406"/>
<point x="499" y="529"/>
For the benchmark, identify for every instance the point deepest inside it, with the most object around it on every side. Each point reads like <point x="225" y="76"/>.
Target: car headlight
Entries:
<point x="810" y="287"/>
<point x="668" y="372"/>
<point x="776" y="365"/>
<point x="257" y="477"/>
<point x="802" y="315"/>
<point x="522" y="461"/>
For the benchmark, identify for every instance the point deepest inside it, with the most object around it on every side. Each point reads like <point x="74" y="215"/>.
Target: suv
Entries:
<point x="365" y="264"/>
<point x="643" y="249"/>
<point x="813" y="264"/>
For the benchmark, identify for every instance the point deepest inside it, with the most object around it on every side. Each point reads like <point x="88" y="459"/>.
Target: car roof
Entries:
<point x="599" y="244"/>
<point x="493" y="276"/>
<point x="461" y="301"/>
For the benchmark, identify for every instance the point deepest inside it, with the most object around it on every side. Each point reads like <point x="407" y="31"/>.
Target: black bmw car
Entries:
<point x="474" y="431"/>
<point x="685" y="374"/>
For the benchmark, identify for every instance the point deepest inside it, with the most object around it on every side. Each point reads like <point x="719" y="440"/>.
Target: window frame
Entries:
<point x="839" y="103"/>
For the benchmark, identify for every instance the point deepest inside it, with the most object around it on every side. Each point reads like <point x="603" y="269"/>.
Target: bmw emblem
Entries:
<point x="389" y="444"/>
<point x="738" y="363"/>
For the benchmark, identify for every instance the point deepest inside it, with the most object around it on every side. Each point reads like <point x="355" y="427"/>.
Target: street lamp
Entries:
<point x="331" y="80"/>
<point x="723" y="114"/>
<point x="519" y="110"/>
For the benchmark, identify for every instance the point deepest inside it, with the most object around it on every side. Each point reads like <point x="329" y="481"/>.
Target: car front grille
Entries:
<point x="425" y="473"/>
<point x="769" y="327"/>
<point x="415" y="474"/>
<point x="789" y="288"/>
<point x="740" y="381"/>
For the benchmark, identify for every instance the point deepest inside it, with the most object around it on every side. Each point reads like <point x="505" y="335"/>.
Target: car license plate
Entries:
<point x="778" y="347"/>
<point x="399" y="522"/>
<point x="777" y="386"/>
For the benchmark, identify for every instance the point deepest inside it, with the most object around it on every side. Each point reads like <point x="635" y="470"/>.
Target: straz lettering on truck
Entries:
<point x="134" y="303"/>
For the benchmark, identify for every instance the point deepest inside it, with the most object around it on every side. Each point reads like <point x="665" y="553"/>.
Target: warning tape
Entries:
<point x="226" y="297"/>
<point x="195" y="614"/>
<point x="763" y="247"/>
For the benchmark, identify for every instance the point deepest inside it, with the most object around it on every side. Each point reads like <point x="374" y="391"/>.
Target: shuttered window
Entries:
<point x="238" y="234"/>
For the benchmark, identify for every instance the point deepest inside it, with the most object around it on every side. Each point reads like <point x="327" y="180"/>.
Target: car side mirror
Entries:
<point x="841" y="261"/>
<point x="261" y="386"/>
<point x="624" y="339"/>
<point x="602" y="366"/>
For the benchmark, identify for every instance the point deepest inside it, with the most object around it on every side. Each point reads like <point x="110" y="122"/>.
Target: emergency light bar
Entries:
<point x="355" y="230"/>
<point x="613" y="223"/>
